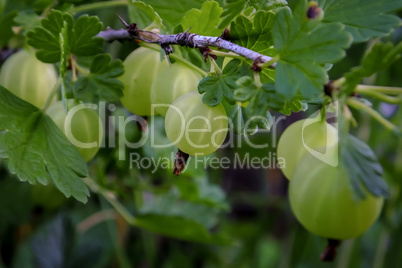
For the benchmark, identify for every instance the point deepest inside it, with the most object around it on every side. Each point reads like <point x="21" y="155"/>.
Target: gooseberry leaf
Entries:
<point x="6" y="24"/>
<point x="380" y="57"/>
<point x="50" y="39"/>
<point x="27" y="19"/>
<point x="364" y="19"/>
<point x="218" y="87"/>
<point x="246" y="89"/>
<point x="101" y="83"/>
<point x="59" y="35"/>
<point x="84" y="41"/>
<point x="36" y="149"/>
<point x="254" y="34"/>
<point x="268" y="5"/>
<point x="170" y="215"/>
<point x="144" y="15"/>
<point x="363" y="168"/>
<point x="172" y="11"/>
<point x="303" y="45"/>
<point x="232" y="8"/>
<point x="204" y="21"/>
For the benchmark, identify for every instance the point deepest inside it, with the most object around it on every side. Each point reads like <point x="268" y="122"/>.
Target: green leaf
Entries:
<point x="268" y="5"/>
<point x="255" y="34"/>
<point x="49" y="39"/>
<point x="172" y="11"/>
<point x="181" y="228"/>
<point x="84" y="41"/>
<point x="6" y="24"/>
<point x="169" y="215"/>
<point x="235" y="116"/>
<point x="27" y="19"/>
<point x="59" y="36"/>
<point x="102" y="82"/>
<point x="217" y="87"/>
<point x="204" y="21"/>
<point x="364" y="19"/>
<point x="37" y="150"/>
<point x="305" y="78"/>
<point x="363" y="167"/>
<point x="246" y="89"/>
<point x="200" y="191"/>
<point x="380" y="57"/>
<point x="304" y="45"/>
<point x="144" y="15"/>
<point x="232" y="8"/>
<point x="2" y="6"/>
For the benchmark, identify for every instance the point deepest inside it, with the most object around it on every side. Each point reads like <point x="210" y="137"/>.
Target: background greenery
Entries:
<point x="246" y="210"/>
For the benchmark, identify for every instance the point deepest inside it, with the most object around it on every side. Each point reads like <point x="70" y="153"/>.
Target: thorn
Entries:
<point x="168" y="60"/>
<point x="225" y="35"/>
<point x="186" y="31"/>
<point x="255" y="67"/>
<point x="123" y="21"/>
<point x="168" y="50"/>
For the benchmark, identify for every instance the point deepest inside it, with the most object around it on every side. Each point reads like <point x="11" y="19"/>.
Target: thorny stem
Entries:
<point x="183" y="39"/>
<point x="106" y="4"/>
<point x="352" y="102"/>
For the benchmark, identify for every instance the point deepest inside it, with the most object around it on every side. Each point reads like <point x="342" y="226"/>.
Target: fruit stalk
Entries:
<point x="330" y="251"/>
<point x="180" y="162"/>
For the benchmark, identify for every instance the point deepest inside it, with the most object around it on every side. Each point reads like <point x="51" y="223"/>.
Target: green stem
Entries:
<point x="257" y="80"/>
<point x="380" y="89"/>
<point x="323" y="111"/>
<point x="113" y="231"/>
<point x="80" y="69"/>
<point x="106" y="4"/>
<point x="111" y="198"/>
<point x="381" y="249"/>
<point x="269" y="63"/>
<point x="344" y="253"/>
<point x="176" y="57"/>
<point x="337" y="83"/>
<point x="214" y="66"/>
<point x="52" y="94"/>
<point x="376" y="115"/>
<point x="381" y="96"/>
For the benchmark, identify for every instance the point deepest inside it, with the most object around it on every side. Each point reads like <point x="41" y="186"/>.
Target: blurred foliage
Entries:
<point x="236" y="218"/>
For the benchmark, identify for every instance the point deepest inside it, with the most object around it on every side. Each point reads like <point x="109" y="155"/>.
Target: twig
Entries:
<point x="181" y="39"/>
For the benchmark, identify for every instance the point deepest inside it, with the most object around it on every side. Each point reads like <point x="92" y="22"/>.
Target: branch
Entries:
<point x="181" y="39"/>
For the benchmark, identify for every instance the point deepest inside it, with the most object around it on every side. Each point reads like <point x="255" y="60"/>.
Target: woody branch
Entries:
<point x="182" y="39"/>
